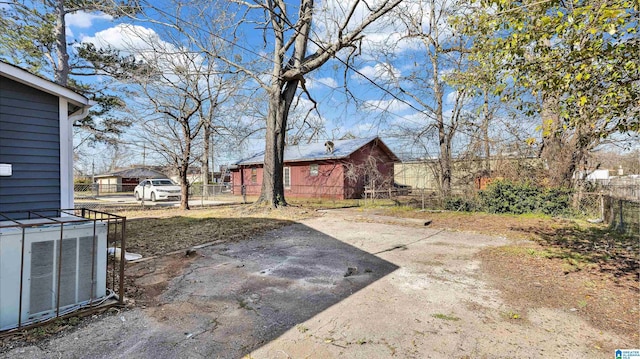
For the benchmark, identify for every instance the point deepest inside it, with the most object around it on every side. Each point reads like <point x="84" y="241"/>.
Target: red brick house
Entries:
<point x="339" y="169"/>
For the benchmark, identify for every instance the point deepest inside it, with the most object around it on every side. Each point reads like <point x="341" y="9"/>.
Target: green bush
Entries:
<point x="523" y="197"/>
<point x="555" y="201"/>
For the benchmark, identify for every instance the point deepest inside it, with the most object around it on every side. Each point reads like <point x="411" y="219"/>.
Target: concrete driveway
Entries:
<point x="338" y="286"/>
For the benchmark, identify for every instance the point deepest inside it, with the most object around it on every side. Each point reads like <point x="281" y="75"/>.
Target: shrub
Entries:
<point x="508" y="197"/>
<point x="555" y="201"/>
<point x="524" y="197"/>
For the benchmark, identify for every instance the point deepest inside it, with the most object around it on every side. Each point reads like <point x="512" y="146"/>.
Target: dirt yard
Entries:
<point x="363" y="284"/>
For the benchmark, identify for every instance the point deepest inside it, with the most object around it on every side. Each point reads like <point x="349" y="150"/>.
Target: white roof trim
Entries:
<point x="27" y="78"/>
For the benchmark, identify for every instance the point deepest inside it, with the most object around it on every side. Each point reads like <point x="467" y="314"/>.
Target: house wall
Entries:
<point x="327" y="184"/>
<point x="242" y="176"/>
<point x="418" y="175"/>
<point x="368" y="165"/>
<point x="109" y="184"/>
<point x="191" y="178"/>
<point x="30" y="142"/>
<point x="337" y="179"/>
<point x="465" y="173"/>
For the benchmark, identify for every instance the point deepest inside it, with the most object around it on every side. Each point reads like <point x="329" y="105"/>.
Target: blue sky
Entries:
<point x="364" y="110"/>
<point x="339" y="115"/>
<point x="385" y="59"/>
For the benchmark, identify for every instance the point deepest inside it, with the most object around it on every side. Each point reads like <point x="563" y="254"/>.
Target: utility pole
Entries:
<point x="93" y="175"/>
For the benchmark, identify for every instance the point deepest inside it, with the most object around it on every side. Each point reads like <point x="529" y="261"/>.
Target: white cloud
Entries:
<point x="380" y="71"/>
<point x="393" y="106"/>
<point x="450" y="99"/>
<point x="415" y="118"/>
<point x="84" y="20"/>
<point x="321" y="82"/>
<point x="146" y="45"/>
<point x="387" y="35"/>
<point x="133" y="39"/>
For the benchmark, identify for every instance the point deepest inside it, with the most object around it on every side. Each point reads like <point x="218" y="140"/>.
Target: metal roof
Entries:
<point x="138" y="172"/>
<point x="318" y="151"/>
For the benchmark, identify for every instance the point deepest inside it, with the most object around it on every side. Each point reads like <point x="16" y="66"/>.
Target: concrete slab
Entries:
<point x="338" y="286"/>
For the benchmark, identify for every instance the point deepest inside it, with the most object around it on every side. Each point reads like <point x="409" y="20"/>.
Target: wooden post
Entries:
<point x="601" y="206"/>
<point x="621" y="224"/>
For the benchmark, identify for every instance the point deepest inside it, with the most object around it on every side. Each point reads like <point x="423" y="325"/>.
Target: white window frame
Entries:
<point x="286" y="177"/>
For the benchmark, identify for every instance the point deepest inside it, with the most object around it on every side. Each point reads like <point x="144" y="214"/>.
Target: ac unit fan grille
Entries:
<point x="76" y="280"/>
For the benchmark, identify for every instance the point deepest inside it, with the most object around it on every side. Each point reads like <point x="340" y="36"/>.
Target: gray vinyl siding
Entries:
<point x="30" y="142"/>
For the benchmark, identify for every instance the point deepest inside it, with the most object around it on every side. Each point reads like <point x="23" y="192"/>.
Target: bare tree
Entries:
<point x="225" y="101"/>
<point x="369" y="175"/>
<point x="428" y="85"/>
<point x="286" y="31"/>
<point x="291" y="62"/>
<point x="172" y="123"/>
<point x="181" y="96"/>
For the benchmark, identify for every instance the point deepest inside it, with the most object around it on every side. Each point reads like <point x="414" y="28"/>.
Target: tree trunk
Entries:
<point x="183" y="172"/>
<point x="444" y="139"/>
<point x="281" y="96"/>
<point x="555" y="152"/>
<point x="272" y="185"/>
<point x="445" y="166"/>
<point x="485" y="132"/>
<point x="61" y="76"/>
<point x="205" y="159"/>
<point x="184" y="188"/>
<point x="564" y="152"/>
<point x="272" y="192"/>
<point x="444" y="161"/>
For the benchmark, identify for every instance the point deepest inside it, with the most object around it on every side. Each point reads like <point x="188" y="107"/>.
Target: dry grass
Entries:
<point x="167" y="230"/>
<point x="536" y="276"/>
<point x="158" y="231"/>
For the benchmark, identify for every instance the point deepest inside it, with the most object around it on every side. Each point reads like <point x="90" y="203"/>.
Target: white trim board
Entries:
<point x="66" y="155"/>
<point x="27" y="78"/>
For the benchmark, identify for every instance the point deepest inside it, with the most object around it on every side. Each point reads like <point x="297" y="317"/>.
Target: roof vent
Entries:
<point x="329" y="146"/>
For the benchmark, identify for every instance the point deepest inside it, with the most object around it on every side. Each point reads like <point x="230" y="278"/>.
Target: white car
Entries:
<point x="157" y="190"/>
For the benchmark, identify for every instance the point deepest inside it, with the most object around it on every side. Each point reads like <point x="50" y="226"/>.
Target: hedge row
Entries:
<point x="517" y="198"/>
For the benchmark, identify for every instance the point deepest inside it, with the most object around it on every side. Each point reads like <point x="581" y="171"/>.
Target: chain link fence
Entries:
<point x="614" y="206"/>
<point x="94" y="190"/>
<point x="622" y="214"/>
<point x="209" y="191"/>
<point x="120" y="197"/>
<point x="85" y="191"/>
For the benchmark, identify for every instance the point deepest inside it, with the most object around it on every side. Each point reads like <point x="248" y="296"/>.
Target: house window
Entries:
<point x="286" y="177"/>
<point x="254" y="175"/>
<point x="313" y="170"/>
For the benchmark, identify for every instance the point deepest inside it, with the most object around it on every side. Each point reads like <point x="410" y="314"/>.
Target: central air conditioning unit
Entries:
<point x="63" y="268"/>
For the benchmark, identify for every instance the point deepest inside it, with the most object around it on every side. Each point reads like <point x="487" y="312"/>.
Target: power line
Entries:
<point x="346" y="64"/>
